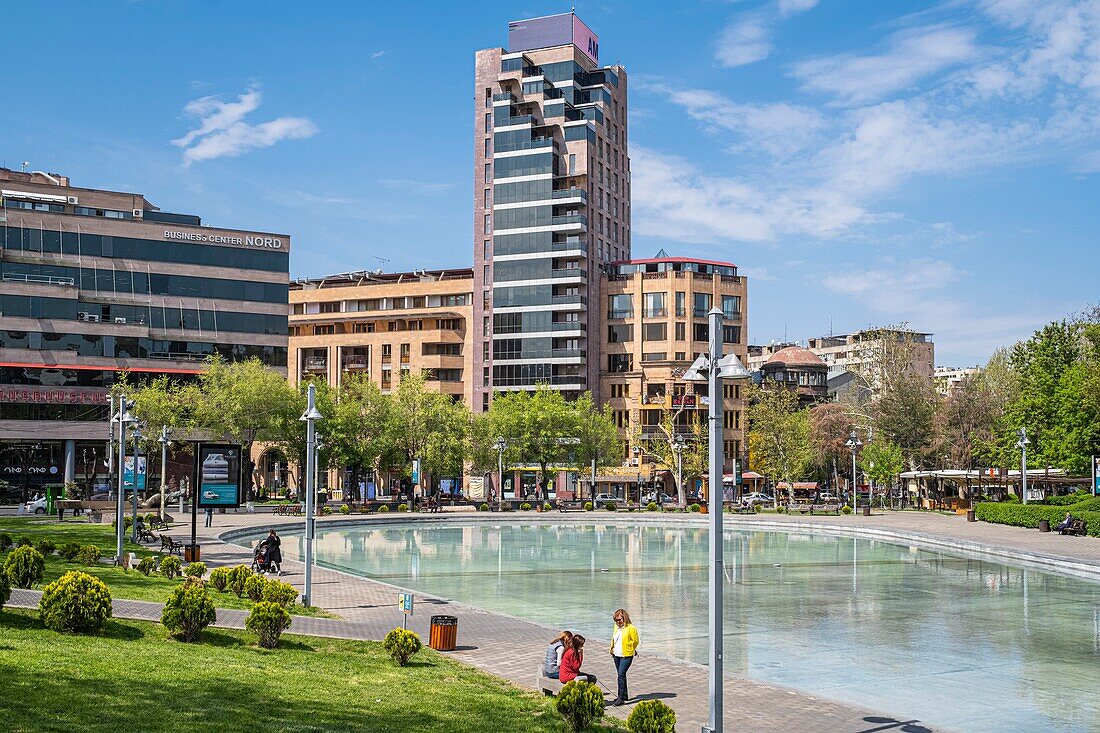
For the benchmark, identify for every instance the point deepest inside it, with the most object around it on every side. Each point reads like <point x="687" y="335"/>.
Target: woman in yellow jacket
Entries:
<point x="624" y="645"/>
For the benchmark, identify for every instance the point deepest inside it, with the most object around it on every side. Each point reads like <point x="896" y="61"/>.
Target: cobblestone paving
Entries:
<point x="512" y="648"/>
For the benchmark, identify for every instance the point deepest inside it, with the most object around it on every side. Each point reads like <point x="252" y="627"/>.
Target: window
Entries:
<point x="486" y="249"/>
<point x="655" y="356"/>
<point x="731" y="334"/>
<point x="654" y="332"/>
<point x="620" y="390"/>
<point x="488" y="202"/>
<point x="387" y="349"/>
<point x="620" y="334"/>
<point x="488" y="121"/>
<point x="485" y="351"/>
<point x="700" y="332"/>
<point x="654" y="305"/>
<point x="485" y="274"/>
<point x="681" y="356"/>
<point x="485" y="376"/>
<point x="622" y="419"/>
<point x="702" y="305"/>
<point x="405" y="350"/>
<point x="620" y="363"/>
<point x="364" y="327"/>
<point x="488" y="224"/>
<point x="488" y="142"/>
<point x="681" y="298"/>
<point x="324" y="330"/>
<point x="488" y="177"/>
<point x="731" y="306"/>
<point x="488" y="97"/>
<point x="572" y="164"/>
<point x="620" y="306"/>
<point x="681" y="331"/>
<point x="333" y="307"/>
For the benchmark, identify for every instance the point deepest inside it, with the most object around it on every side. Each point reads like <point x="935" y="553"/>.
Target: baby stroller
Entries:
<point x="262" y="562"/>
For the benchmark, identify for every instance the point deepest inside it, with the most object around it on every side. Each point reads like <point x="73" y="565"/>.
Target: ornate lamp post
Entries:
<point x="122" y="418"/>
<point x="678" y="449"/>
<point x="854" y="443"/>
<point x="501" y="446"/>
<point x="309" y="417"/>
<point x="1023" y="443"/>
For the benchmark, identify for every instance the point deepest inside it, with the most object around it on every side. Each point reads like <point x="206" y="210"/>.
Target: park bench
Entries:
<point x="832" y="508"/>
<point x="170" y="545"/>
<point x="1075" y="527"/>
<point x="570" y="506"/>
<point x="745" y="509"/>
<point x="145" y="534"/>
<point x="800" y="507"/>
<point x="547" y="685"/>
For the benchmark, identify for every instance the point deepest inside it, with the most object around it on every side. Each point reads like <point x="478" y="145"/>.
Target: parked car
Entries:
<point x="662" y="498"/>
<point x="36" y="507"/>
<point x="602" y="499"/>
<point x="827" y="496"/>
<point x="756" y="497"/>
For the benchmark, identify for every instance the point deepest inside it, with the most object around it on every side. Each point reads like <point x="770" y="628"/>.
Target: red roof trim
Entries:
<point x="100" y="368"/>
<point x="674" y="259"/>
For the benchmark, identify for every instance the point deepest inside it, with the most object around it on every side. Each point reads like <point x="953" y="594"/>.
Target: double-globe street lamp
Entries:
<point x="713" y="367"/>
<point x="1022" y="444"/>
<point x="854" y="443"/>
<point x="164" y="441"/>
<point x="309" y="417"/>
<point x="122" y="418"/>
<point x="501" y="446"/>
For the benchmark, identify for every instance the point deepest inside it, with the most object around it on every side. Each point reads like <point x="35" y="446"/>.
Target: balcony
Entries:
<point x="579" y="220"/>
<point x="569" y="272"/>
<point x="570" y="193"/>
<point x="538" y="142"/>
<point x="521" y="120"/>
<point x="620" y="314"/>
<point x="506" y="96"/>
<point x="43" y="279"/>
<point x="654" y="312"/>
<point x="568" y="300"/>
<point x="557" y="379"/>
<point x="315" y="364"/>
<point x="540" y="354"/>
<point x="355" y="362"/>
<point x="567" y="326"/>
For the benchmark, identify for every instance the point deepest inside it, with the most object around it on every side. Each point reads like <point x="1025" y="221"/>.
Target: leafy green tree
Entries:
<point x="905" y="414"/>
<point x="694" y="450"/>
<point x="882" y="461"/>
<point x="358" y="429"/>
<point x="779" y="436"/>
<point x="596" y="434"/>
<point x="428" y="426"/>
<point x="830" y="426"/>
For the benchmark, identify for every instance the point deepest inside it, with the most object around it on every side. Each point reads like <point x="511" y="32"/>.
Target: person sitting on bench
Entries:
<point x="571" y="662"/>
<point x="1065" y="523"/>
<point x="552" y="665"/>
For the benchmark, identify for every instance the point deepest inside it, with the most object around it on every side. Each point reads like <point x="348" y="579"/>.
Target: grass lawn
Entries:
<point x="134" y="677"/>
<point x="128" y="584"/>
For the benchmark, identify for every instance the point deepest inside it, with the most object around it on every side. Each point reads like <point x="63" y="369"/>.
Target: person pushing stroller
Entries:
<point x="268" y="557"/>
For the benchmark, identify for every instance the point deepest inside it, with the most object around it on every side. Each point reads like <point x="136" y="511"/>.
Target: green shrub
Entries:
<point x="126" y="522"/>
<point x="846" y="509"/>
<point x="46" y="546"/>
<point x="70" y="551"/>
<point x="25" y="567"/>
<point x="651" y="716"/>
<point x="546" y="507"/>
<point x="651" y="506"/>
<point x="384" y="508"/>
<point x="89" y="555"/>
<point x="5" y="588"/>
<point x="152" y="517"/>
<point x="1012" y="499"/>
<point x="219" y="578"/>
<point x="5" y="542"/>
<point x="196" y="570"/>
<point x="1069" y="499"/>
<point x="1028" y="515"/>
<point x="483" y="508"/>
<point x="525" y="507"/>
<point x="580" y="703"/>
<point x="694" y="508"/>
<point x="171" y="567"/>
<point x="588" y="506"/>
<point x="345" y="509"/>
<point x="147" y="565"/>
<point x="757" y="508"/>
<point x="75" y="603"/>
<point x="188" y="610"/>
<point x="610" y="506"/>
<point x="326" y="510"/>
<point x="24" y="541"/>
<point x="268" y="621"/>
<point x="402" y="507"/>
<point x="401" y="644"/>
<point x="254" y="587"/>
<point x="276" y="591"/>
<point x="238" y="576"/>
<point x="781" y="509"/>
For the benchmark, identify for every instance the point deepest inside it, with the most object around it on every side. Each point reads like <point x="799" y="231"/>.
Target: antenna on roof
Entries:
<point x="380" y="259"/>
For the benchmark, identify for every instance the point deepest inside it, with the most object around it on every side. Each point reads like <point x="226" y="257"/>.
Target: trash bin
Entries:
<point x="971" y="516"/>
<point x="1044" y="525"/>
<point x="191" y="553"/>
<point x="444" y="633"/>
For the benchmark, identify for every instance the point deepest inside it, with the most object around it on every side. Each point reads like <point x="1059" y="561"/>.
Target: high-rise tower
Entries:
<point x="551" y="205"/>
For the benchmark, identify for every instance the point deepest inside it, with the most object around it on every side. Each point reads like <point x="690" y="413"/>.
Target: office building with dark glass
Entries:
<point x="552" y="205"/>
<point x="93" y="283"/>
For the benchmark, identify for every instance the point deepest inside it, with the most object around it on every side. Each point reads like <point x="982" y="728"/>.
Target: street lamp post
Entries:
<point x="501" y="446"/>
<point x="137" y="438"/>
<point x="163" y="440"/>
<point x="1023" y="443"/>
<point x="854" y="443"/>
<point x="637" y="451"/>
<point x="713" y="368"/>
<point x="123" y="418"/>
<point x="310" y="416"/>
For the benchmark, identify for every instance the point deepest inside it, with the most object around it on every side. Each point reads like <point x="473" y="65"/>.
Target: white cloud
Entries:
<point x="222" y="131"/>
<point x="791" y="7"/>
<point x="378" y="54"/>
<point x="747" y="38"/>
<point x="913" y="55"/>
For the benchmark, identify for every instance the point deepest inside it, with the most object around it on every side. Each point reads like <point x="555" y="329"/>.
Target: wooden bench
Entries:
<point x="171" y="546"/>
<point x="1075" y="527"/>
<point x="746" y="509"/>
<point x="825" y="508"/>
<point x="546" y="685"/>
<point x="800" y="507"/>
<point x="570" y="506"/>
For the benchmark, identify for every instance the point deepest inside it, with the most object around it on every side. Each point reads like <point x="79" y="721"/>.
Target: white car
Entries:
<point x="757" y="497"/>
<point x="211" y="495"/>
<point x="826" y="496"/>
<point x="36" y="507"/>
<point x="602" y="499"/>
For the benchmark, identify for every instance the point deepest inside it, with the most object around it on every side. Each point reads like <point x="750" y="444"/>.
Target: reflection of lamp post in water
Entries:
<point x="501" y="446"/>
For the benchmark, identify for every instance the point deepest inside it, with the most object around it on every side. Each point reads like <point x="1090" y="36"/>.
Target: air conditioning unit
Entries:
<point x="138" y="213"/>
<point x="72" y="200"/>
<point x="83" y="315"/>
<point x="91" y="318"/>
<point x="120" y="319"/>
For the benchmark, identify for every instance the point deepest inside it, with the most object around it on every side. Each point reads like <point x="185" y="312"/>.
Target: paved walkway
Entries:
<point x="512" y="648"/>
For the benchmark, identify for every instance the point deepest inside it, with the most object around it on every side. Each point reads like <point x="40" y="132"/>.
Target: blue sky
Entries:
<point x="864" y="162"/>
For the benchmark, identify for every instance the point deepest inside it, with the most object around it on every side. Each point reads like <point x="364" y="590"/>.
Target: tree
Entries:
<point x="882" y="461"/>
<point x="830" y="426"/>
<point x="428" y="426"/>
<point x="597" y="436"/>
<point x="968" y="421"/>
<point x="358" y="425"/>
<point x="694" y="450"/>
<point x="779" y="436"/>
<point x="905" y="414"/>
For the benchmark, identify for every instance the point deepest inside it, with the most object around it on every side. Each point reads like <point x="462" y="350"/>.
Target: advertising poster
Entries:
<point x="128" y="473"/>
<point x="1096" y="475"/>
<point x="218" y="475"/>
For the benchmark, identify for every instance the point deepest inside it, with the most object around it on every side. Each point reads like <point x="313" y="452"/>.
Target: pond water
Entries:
<point x="959" y="642"/>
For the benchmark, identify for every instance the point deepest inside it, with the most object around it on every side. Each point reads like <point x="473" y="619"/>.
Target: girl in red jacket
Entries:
<point x="571" y="663"/>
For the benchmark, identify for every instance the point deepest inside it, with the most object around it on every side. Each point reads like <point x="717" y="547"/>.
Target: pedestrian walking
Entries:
<point x="624" y="647"/>
<point x="209" y="516"/>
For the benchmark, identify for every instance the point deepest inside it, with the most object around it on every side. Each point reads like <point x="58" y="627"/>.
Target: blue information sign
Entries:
<point x="128" y="472"/>
<point x="1096" y="475"/>
<point x="218" y="475"/>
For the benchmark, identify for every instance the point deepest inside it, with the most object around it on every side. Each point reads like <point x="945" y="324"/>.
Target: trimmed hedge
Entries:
<point x="268" y="621"/>
<point x="25" y="567"/>
<point x="401" y="644"/>
<point x="1028" y="515"/>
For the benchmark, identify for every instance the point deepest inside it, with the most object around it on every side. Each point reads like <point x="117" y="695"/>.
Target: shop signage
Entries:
<point x="53" y="395"/>
<point x="218" y="475"/>
<point x="247" y="241"/>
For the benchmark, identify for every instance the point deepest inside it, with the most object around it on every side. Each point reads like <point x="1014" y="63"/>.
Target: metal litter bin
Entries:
<point x="444" y="633"/>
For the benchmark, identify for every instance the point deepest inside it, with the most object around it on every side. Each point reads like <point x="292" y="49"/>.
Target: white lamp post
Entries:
<point x="702" y="369"/>
<point x="163" y="440"/>
<point x="123" y="418"/>
<point x="1023" y="443"/>
<point x="854" y="443"/>
<point x="678" y="449"/>
<point x="137" y="438"/>
<point x="501" y="446"/>
<point x="310" y="416"/>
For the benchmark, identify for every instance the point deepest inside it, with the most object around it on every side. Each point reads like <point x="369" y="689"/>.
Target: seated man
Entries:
<point x="1065" y="522"/>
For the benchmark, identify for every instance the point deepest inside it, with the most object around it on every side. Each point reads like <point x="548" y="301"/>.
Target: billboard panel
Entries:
<point x="128" y="472"/>
<point x="554" y="30"/>
<point x="218" y="475"/>
<point x="587" y="41"/>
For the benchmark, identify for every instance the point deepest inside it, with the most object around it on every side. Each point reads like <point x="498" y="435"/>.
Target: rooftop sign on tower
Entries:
<point x="554" y="30"/>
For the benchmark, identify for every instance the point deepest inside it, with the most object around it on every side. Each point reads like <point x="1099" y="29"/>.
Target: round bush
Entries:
<point x="610" y="506"/>
<point x="147" y="565"/>
<point x="525" y="507"/>
<point x="219" y="578"/>
<point x="580" y="703"/>
<point x="276" y="591"/>
<point x="651" y="506"/>
<point x="69" y="551"/>
<point x="254" y="587"/>
<point x="694" y="508"/>
<point x="46" y="546"/>
<point x="25" y="567"/>
<point x="483" y="508"/>
<point x="780" y="509"/>
<point x="383" y="508"/>
<point x="171" y="567"/>
<point x="89" y="555"/>
<point x="268" y="621"/>
<point x="546" y="507"/>
<point x="588" y="506"/>
<point x="188" y="610"/>
<point x="5" y="588"/>
<point x="326" y="510"/>
<point x="651" y="716"/>
<point x="846" y="509"/>
<point x="75" y="603"/>
<point x="345" y="509"/>
<point x="5" y="542"/>
<point x="238" y="576"/>
<point x="402" y="507"/>
<point x="196" y="570"/>
<point x="401" y="644"/>
<point x="756" y="508"/>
